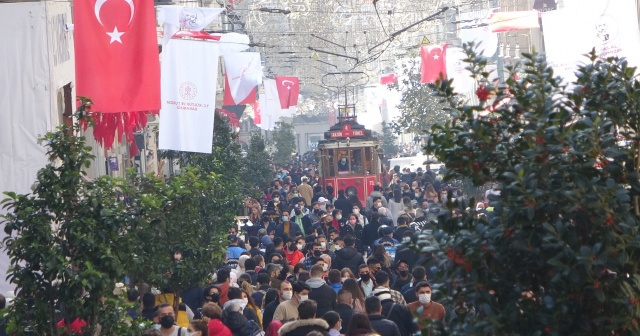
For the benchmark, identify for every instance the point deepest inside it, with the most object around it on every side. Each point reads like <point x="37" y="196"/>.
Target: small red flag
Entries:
<point x="433" y="62"/>
<point x="288" y="90"/>
<point x="388" y="79"/>
<point x="116" y="47"/>
<point x="257" y="114"/>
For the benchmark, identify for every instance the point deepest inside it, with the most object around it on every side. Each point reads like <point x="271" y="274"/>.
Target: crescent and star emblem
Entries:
<point x="115" y="35"/>
<point x="436" y="56"/>
<point x="284" y="83"/>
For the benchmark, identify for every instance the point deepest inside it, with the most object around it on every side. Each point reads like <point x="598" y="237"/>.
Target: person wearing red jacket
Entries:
<point x="292" y="253"/>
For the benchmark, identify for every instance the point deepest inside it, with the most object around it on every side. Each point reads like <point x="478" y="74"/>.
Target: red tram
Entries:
<point x="349" y="157"/>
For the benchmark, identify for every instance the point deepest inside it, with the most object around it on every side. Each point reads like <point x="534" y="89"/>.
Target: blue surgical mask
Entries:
<point x="285" y="218"/>
<point x="156" y="326"/>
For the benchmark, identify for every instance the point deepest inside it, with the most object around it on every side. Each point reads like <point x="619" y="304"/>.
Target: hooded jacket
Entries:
<point x="324" y="295"/>
<point x="217" y="328"/>
<point x="236" y="322"/>
<point x="303" y="327"/>
<point x="376" y="194"/>
<point x="348" y="257"/>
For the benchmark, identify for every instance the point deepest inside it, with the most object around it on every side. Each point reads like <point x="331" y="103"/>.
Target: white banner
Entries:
<point x="475" y="28"/>
<point x="176" y="18"/>
<point x="189" y="76"/>
<point x="570" y="33"/>
<point x="462" y="81"/>
<point x="244" y="71"/>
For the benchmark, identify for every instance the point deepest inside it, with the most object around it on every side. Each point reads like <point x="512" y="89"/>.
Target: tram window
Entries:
<point x="368" y="161"/>
<point x="343" y="161"/>
<point x="329" y="163"/>
<point x="356" y="161"/>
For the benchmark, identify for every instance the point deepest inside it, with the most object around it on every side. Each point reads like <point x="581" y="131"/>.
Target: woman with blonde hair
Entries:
<point x="251" y="304"/>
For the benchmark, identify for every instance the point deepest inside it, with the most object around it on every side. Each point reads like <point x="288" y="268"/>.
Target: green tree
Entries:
<point x="257" y="171"/>
<point x="561" y="252"/>
<point x="285" y="142"/>
<point x="389" y="141"/>
<point x="419" y="106"/>
<point x="189" y="215"/>
<point x="69" y="241"/>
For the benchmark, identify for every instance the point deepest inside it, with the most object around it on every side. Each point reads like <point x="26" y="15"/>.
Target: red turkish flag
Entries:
<point x="257" y="114"/>
<point x="433" y="62"/>
<point x="117" y="62"/>
<point x="388" y="79"/>
<point x="228" y="97"/>
<point x="288" y="90"/>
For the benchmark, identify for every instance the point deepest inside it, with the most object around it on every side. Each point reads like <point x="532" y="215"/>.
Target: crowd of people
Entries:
<point x="306" y="262"/>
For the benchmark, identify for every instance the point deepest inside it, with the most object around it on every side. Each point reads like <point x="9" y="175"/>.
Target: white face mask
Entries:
<point x="338" y="217"/>
<point x="356" y="211"/>
<point x="300" y="246"/>
<point x="325" y="267"/>
<point x="323" y="245"/>
<point x="304" y="298"/>
<point x="344" y="279"/>
<point x="424" y="298"/>
<point x="337" y="248"/>
<point x="287" y="295"/>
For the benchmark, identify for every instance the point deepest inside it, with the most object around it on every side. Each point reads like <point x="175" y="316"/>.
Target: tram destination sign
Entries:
<point x="347" y="132"/>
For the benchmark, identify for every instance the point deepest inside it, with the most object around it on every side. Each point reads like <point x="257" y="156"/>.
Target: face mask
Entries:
<point x="424" y="298"/>
<point x="337" y="248"/>
<point x="167" y="321"/>
<point x="287" y="295"/>
<point x="276" y="199"/>
<point x="323" y="207"/>
<point x="316" y="211"/>
<point x="296" y="195"/>
<point x="304" y="298"/>
<point x="403" y="273"/>
<point x="325" y="268"/>
<point x="285" y="218"/>
<point x="353" y="221"/>
<point x="365" y="277"/>
<point x="317" y="253"/>
<point x="379" y="204"/>
<point x="356" y="211"/>
<point x="240" y="302"/>
<point x="157" y="326"/>
<point x="344" y="279"/>
<point x="417" y="195"/>
<point x="298" y="212"/>
<point x="215" y="297"/>
<point x="323" y="245"/>
<point x="299" y="246"/>
<point x="338" y="217"/>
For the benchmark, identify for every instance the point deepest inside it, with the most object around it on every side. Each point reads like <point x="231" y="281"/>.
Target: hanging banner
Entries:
<point x="462" y="81"/>
<point x="189" y="76"/>
<point x="432" y="64"/>
<point x="571" y="33"/>
<point x="176" y="18"/>
<point x="478" y="31"/>
<point x="288" y="91"/>
<point x="243" y="72"/>
<point x="508" y="21"/>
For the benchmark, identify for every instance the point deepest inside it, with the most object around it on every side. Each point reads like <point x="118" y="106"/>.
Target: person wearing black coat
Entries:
<point x="344" y="308"/>
<point x="378" y="321"/>
<point x="400" y="315"/>
<point x="304" y="219"/>
<point x="342" y="203"/>
<point x="370" y="231"/>
<point x="348" y="257"/>
<point x="321" y="293"/>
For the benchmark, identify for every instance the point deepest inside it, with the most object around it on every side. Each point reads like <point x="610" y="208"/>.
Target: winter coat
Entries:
<point x="324" y="295"/>
<point x="376" y="194"/>
<point x="236" y="322"/>
<point x="293" y="229"/>
<point x="303" y="327"/>
<point x="370" y="233"/>
<point x="383" y="326"/>
<point x="342" y="203"/>
<point x="345" y="312"/>
<point x="306" y="223"/>
<point x="348" y="257"/>
<point x="400" y="315"/>
<point x="217" y="328"/>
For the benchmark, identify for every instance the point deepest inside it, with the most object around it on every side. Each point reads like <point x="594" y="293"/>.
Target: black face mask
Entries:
<point x="298" y="212"/>
<point x="317" y="253"/>
<point x="365" y="277"/>
<point x="403" y="273"/>
<point x="316" y="211"/>
<point x="292" y="247"/>
<point x="215" y="297"/>
<point x="167" y="321"/>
